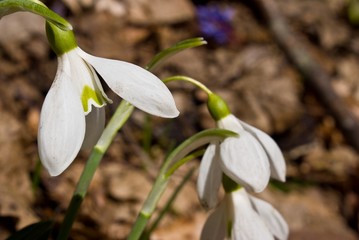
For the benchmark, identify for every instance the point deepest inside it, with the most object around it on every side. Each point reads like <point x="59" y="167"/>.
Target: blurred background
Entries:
<point x="310" y="107"/>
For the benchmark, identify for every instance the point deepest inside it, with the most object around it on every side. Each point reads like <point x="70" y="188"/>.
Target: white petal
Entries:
<point x="246" y="222"/>
<point x="272" y="218"/>
<point x="216" y="224"/>
<point x="277" y="161"/>
<point x="95" y="123"/>
<point x="62" y="122"/>
<point x="87" y="83"/>
<point x="134" y="84"/>
<point x="231" y="123"/>
<point x="209" y="177"/>
<point x="244" y="161"/>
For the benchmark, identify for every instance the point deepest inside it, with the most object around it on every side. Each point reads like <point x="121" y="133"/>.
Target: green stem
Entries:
<point x="117" y="121"/>
<point x="172" y="162"/>
<point x="149" y="207"/>
<point x="10" y="6"/>
<point x="189" y="157"/>
<point x="169" y="202"/>
<point x="190" y="80"/>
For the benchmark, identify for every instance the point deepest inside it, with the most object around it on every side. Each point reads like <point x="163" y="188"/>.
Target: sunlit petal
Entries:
<point x="134" y="84"/>
<point x="62" y="122"/>
<point x="231" y="123"/>
<point x="246" y="222"/>
<point x="244" y="161"/>
<point x="210" y="177"/>
<point x="277" y="161"/>
<point x="272" y="218"/>
<point x="95" y="123"/>
<point x="216" y="224"/>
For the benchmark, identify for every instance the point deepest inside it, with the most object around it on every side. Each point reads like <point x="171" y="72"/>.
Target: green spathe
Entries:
<point x="89" y="93"/>
<point x="217" y="107"/>
<point x="61" y="41"/>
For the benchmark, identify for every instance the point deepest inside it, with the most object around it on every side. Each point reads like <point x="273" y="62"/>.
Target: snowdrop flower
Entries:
<point x="248" y="159"/>
<point x="242" y="217"/>
<point x="72" y="116"/>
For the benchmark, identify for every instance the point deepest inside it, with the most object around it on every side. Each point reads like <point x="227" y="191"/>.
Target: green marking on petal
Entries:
<point x="87" y="94"/>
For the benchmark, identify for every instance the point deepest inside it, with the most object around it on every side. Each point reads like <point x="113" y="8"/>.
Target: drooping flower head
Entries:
<point x="249" y="159"/>
<point x="240" y="216"/>
<point x="73" y="116"/>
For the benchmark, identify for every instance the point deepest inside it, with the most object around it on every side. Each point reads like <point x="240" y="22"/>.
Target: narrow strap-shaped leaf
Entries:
<point x="189" y="43"/>
<point x="167" y="169"/>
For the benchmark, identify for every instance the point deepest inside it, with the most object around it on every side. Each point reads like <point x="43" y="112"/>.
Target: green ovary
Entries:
<point x="89" y="93"/>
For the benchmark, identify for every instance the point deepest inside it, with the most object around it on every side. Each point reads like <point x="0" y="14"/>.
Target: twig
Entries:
<point x="314" y="74"/>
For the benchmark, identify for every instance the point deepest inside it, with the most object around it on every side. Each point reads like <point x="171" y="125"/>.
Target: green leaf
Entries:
<point x="36" y="231"/>
<point x="174" y="160"/>
<point x="169" y="203"/>
<point x="180" y="46"/>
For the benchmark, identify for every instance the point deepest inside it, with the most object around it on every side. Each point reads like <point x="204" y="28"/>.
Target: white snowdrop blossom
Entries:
<point x="240" y="216"/>
<point x="249" y="159"/>
<point x="72" y="116"/>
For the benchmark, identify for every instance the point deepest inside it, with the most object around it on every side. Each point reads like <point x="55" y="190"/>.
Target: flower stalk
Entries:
<point x="169" y="203"/>
<point x="10" y="6"/>
<point x="170" y="164"/>
<point x="189" y="80"/>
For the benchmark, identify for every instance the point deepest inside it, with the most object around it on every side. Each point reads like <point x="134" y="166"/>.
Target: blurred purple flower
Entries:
<point x="216" y="22"/>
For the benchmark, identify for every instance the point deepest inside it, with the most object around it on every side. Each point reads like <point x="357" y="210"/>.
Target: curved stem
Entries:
<point x="190" y="80"/>
<point x="179" y="163"/>
<point x="172" y="162"/>
<point x="169" y="202"/>
<point x="10" y="6"/>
